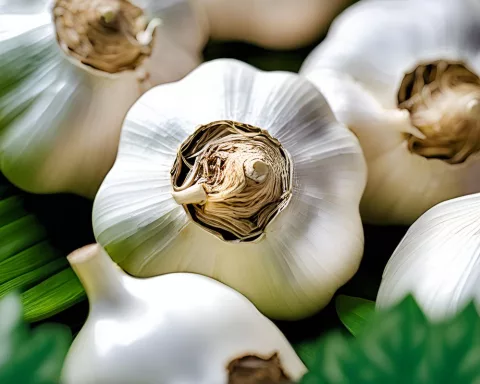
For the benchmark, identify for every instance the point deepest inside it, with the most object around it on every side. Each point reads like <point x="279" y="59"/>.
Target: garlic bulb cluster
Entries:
<point x="277" y="24"/>
<point x="409" y="87"/>
<point x="177" y="328"/>
<point x="438" y="261"/>
<point x="73" y="69"/>
<point x="241" y="175"/>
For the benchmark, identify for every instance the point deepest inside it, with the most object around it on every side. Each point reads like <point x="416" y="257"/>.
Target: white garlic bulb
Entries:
<point x="278" y="24"/>
<point x="438" y="261"/>
<point x="241" y="175"/>
<point x="177" y="328"/>
<point x="71" y="70"/>
<point x="409" y="87"/>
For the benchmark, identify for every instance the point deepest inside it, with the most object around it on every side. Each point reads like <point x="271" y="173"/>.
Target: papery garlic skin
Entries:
<point x="275" y="24"/>
<point x="177" y="328"/>
<point x="313" y="245"/>
<point x="60" y="120"/>
<point x="438" y="260"/>
<point x="360" y="67"/>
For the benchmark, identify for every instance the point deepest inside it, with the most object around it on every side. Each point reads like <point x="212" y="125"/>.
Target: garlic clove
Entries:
<point x="361" y="67"/>
<point x="284" y="24"/>
<point x="61" y="119"/>
<point x="178" y="327"/>
<point x="437" y="260"/>
<point x="312" y="245"/>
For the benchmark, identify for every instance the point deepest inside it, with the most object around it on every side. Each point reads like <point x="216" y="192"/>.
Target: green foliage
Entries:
<point x="52" y="296"/>
<point x="401" y="346"/>
<point x="29" y="263"/>
<point x="354" y="312"/>
<point x="29" y="357"/>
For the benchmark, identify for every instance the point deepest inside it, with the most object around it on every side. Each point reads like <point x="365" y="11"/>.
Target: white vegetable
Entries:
<point x="70" y="71"/>
<point x="438" y="260"/>
<point x="177" y="328"/>
<point x="270" y="207"/>
<point x="420" y="131"/>
<point x="278" y="24"/>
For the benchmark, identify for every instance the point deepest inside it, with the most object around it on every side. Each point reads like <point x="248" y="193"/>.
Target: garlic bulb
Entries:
<point x="438" y="261"/>
<point x="73" y="69"/>
<point x="278" y="24"/>
<point x="177" y="328"/>
<point x="240" y="175"/>
<point x="408" y="86"/>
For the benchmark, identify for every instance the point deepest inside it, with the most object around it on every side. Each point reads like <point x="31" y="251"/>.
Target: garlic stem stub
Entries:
<point x="438" y="260"/>
<point x="273" y="24"/>
<point x="74" y="68"/>
<point x="413" y="103"/>
<point x="254" y="184"/>
<point x="168" y="329"/>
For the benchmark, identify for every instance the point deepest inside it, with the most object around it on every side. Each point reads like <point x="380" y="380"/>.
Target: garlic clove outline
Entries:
<point x="310" y="246"/>
<point x="274" y="24"/>
<point x="360" y="68"/>
<point x="438" y="260"/>
<point x="174" y="328"/>
<point x="61" y="119"/>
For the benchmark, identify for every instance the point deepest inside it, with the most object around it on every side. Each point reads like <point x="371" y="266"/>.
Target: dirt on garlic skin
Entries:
<point x="255" y="370"/>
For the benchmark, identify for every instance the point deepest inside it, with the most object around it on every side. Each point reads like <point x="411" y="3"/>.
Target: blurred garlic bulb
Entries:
<point x="277" y="24"/>
<point x="438" y="261"/>
<point x="71" y="70"/>
<point x="408" y="86"/>
<point x="240" y="175"/>
<point x="177" y="328"/>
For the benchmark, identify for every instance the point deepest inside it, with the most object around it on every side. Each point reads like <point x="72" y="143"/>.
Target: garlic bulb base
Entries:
<point x="233" y="178"/>
<point x="443" y="100"/>
<point x="101" y="34"/>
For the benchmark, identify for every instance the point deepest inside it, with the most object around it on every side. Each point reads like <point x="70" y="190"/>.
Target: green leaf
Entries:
<point x="401" y="346"/>
<point x="28" y="260"/>
<point x="354" y="312"/>
<point x="29" y="357"/>
<point x="19" y="235"/>
<point x="28" y="279"/>
<point x="30" y="264"/>
<point x="52" y="296"/>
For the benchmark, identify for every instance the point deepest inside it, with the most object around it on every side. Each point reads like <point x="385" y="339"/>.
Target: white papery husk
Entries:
<point x="60" y="120"/>
<point x="277" y="24"/>
<point x="360" y="66"/>
<point x="177" y="328"/>
<point x="309" y="250"/>
<point x="438" y="261"/>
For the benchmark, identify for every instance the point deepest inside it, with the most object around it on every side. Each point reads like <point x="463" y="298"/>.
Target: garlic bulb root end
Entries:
<point x="444" y="103"/>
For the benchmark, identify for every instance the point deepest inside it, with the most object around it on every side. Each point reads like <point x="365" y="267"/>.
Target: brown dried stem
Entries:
<point x="232" y="178"/>
<point x="101" y="33"/>
<point x="444" y="103"/>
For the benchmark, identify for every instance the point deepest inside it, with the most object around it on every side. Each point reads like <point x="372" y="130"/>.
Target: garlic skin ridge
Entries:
<point x="274" y="24"/>
<point x="175" y="328"/>
<point x="307" y="251"/>
<point x="61" y="120"/>
<point x="360" y="67"/>
<point x="438" y="260"/>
